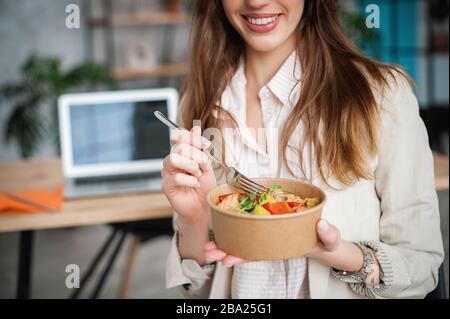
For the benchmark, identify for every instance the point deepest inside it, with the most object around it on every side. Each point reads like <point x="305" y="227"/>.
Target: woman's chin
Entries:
<point x="264" y="45"/>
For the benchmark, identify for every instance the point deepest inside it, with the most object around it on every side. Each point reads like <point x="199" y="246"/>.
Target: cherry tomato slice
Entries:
<point x="277" y="208"/>
<point x="294" y="204"/>
<point x="222" y="197"/>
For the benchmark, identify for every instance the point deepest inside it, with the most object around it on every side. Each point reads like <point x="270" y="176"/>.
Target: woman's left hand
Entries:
<point x="335" y="252"/>
<point x="332" y="250"/>
<point x="212" y="253"/>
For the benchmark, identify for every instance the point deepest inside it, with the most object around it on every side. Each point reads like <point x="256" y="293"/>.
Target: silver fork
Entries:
<point x="232" y="175"/>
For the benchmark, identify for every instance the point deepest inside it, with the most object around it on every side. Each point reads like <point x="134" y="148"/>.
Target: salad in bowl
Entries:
<point x="273" y="202"/>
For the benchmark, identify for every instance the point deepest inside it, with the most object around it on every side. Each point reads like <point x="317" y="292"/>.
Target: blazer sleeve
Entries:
<point x="410" y="249"/>
<point x="193" y="280"/>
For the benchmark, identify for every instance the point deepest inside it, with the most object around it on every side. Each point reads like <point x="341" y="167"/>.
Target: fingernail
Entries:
<point x="323" y="225"/>
<point x="198" y="174"/>
<point x="175" y="136"/>
<point x="175" y="159"/>
<point x="197" y="185"/>
<point x="205" y="142"/>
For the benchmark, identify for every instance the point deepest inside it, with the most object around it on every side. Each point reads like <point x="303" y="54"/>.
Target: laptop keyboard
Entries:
<point x="116" y="179"/>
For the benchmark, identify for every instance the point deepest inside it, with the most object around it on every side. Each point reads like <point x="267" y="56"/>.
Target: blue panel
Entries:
<point x="397" y="46"/>
<point x="408" y="24"/>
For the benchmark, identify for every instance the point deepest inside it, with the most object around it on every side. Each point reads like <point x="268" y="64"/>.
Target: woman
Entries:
<point x="293" y="98"/>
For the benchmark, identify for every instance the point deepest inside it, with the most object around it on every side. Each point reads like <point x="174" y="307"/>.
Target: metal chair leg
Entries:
<point x="94" y="264"/>
<point x="109" y="266"/>
<point x="25" y="265"/>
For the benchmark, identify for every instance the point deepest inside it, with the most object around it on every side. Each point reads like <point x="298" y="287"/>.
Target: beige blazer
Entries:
<point x="396" y="213"/>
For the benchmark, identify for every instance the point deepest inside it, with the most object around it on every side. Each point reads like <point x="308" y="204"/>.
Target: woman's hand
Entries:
<point x="212" y="254"/>
<point x="187" y="175"/>
<point x="334" y="251"/>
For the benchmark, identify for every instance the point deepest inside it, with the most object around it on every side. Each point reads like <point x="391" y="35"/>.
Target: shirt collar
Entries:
<point x="287" y="79"/>
<point x="283" y="84"/>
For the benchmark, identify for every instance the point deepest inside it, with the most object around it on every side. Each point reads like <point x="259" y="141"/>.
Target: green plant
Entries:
<point x="43" y="81"/>
<point x="354" y="25"/>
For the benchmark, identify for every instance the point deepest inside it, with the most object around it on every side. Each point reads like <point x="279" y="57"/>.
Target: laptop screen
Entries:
<point x="118" y="132"/>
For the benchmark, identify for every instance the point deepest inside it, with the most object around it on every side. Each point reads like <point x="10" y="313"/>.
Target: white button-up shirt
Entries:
<point x="264" y="279"/>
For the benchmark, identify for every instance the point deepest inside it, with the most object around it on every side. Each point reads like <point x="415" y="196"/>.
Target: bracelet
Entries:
<point x="361" y="275"/>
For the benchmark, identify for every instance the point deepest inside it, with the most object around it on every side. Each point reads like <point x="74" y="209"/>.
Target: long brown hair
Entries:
<point x="336" y="99"/>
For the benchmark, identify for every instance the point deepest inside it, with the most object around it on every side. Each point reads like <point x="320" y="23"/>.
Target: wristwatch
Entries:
<point x="361" y="275"/>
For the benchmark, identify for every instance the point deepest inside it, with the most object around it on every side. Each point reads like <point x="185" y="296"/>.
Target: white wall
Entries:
<point x="33" y="26"/>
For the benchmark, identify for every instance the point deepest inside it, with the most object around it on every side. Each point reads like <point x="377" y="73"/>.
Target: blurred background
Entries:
<point x="136" y="44"/>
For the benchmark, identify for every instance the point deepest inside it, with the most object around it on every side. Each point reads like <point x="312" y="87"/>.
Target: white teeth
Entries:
<point x="262" y="21"/>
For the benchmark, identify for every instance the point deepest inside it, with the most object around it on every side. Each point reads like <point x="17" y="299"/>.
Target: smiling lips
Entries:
<point x="261" y="23"/>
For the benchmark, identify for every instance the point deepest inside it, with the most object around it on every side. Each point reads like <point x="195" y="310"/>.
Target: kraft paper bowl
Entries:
<point x="267" y="237"/>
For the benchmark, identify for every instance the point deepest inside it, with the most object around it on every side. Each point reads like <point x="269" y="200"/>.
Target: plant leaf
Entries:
<point x="13" y="90"/>
<point x="25" y="126"/>
<point x="41" y="68"/>
<point x="88" y="74"/>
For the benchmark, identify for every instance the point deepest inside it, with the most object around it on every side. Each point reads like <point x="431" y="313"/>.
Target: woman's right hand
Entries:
<point x="187" y="175"/>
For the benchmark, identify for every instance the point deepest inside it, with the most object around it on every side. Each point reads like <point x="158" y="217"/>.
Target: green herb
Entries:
<point x="241" y="210"/>
<point x="247" y="203"/>
<point x="274" y="187"/>
<point x="263" y="198"/>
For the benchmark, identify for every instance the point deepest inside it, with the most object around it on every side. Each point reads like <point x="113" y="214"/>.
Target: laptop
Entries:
<point x="111" y="143"/>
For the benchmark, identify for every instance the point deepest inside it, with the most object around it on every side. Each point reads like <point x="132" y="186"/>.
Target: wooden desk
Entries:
<point x="47" y="174"/>
<point x="441" y="171"/>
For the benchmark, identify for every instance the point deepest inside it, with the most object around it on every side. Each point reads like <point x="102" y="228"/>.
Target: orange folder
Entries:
<point x="31" y="201"/>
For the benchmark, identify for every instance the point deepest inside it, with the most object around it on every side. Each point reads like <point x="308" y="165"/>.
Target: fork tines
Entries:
<point x="250" y="186"/>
